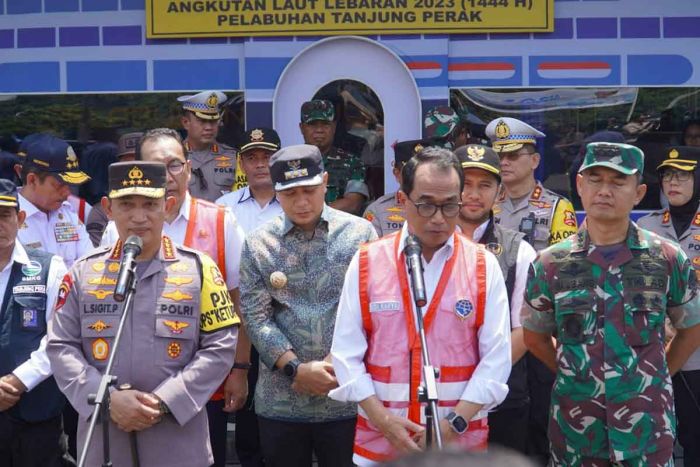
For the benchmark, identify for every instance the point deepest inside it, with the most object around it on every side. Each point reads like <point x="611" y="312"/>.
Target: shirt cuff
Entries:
<point x="357" y="186"/>
<point x="29" y="375"/>
<point x="488" y="392"/>
<point x="356" y="390"/>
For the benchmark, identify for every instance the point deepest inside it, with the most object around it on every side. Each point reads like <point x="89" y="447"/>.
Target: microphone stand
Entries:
<point x="101" y="399"/>
<point x="427" y="392"/>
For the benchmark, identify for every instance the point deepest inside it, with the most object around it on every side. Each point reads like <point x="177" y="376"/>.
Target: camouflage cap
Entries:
<point x="440" y="122"/>
<point x="624" y="158"/>
<point x="404" y="150"/>
<point x="476" y="156"/>
<point x="683" y="158"/>
<point x="317" y="109"/>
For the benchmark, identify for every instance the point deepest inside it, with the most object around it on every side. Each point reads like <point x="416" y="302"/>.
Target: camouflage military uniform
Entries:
<point x="346" y="174"/>
<point x="612" y="399"/>
<point x="385" y="214"/>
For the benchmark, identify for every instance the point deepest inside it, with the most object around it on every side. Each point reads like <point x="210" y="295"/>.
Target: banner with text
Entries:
<point x="217" y="18"/>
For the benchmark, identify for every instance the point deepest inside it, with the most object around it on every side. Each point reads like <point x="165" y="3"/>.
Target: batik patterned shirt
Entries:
<point x="297" y="312"/>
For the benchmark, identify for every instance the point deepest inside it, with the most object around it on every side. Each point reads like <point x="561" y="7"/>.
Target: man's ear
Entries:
<point x="106" y="204"/>
<point x="401" y="197"/>
<point x="641" y="191"/>
<point x="21" y="216"/>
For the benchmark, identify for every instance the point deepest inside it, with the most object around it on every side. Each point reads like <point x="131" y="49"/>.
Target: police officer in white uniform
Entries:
<point x="50" y="169"/>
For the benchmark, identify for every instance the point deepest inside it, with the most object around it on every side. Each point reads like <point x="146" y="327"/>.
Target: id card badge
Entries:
<point x="65" y="232"/>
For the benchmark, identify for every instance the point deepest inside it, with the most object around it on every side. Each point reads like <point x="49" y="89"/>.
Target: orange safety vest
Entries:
<point x="205" y="233"/>
<point x="393" y="358"/>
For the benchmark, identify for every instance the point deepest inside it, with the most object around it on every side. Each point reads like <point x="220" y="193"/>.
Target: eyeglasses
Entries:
<point x="175" y="167"/>
<point x="681" y="176"/>
<point x="428" y="209"/>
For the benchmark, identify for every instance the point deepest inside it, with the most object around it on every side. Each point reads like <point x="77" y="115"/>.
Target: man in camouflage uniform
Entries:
<point x="605" y="293"/>
<point x="386" y="214"/>
<point x="446" y="128"/>
<point x="545" y="218"/>
<point x="213" y="164"/>
<point x="347" y="190"/>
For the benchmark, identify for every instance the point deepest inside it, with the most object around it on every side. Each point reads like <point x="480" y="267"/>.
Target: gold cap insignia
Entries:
<point x="475" y="153"/>
<point x="502" y="130"/>
<point x="673" y="154"/>
<point x="417" y="148"/>
<point x="256" y="135"/>
<point x="135" y="173"/>
<point x="212" y="101"/>
<point x="71" y="158"/>
<point x="294" y="165"/>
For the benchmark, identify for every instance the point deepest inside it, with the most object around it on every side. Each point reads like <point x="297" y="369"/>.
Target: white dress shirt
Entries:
<point x="249" y="214"/>
<point x="487" y="385"/>
<point x="37" y="368"/>
<point x="176" y="230"/>
<point x="526" y="255"/>
<point x="59" y="232"/>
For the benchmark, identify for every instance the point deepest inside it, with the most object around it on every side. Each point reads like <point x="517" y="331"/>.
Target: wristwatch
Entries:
<point x="240" y="366"/>
<point x="457" y="422"/>
<point x="290" y="368"/>
<point x="163" y="407"/>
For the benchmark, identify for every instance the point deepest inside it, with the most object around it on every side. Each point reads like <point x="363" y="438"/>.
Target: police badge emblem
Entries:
<point x="463" y="308"/>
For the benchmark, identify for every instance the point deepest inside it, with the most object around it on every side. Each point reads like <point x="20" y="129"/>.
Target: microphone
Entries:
<point x="412" y="250"/>
<point x="127" y="266"/>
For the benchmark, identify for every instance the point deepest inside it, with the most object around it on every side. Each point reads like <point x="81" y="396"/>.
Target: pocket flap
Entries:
<point x="32" y="302"/>
<point x="176" y="328"/>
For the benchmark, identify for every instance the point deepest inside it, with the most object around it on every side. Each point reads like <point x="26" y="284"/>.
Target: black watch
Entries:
<point x="291" y="367"/>
<point x="457" y="422"/>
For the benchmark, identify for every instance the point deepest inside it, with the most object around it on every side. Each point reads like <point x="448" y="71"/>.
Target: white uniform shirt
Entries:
<point x="37" y="368"/>
<point x="487" y="385"/>
<point x="526" y="255"/>
<point x="60" y="232"/>
<point x="249" y="214"/>
<point x="176" y="230"/>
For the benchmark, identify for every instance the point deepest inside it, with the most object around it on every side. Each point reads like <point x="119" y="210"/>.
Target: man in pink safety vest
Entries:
<point x="376" y="348"/>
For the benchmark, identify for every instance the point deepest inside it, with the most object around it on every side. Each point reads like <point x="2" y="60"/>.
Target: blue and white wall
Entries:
<point x="84" y="46"/>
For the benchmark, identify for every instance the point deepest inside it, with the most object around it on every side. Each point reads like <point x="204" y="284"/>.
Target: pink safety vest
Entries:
<point x="205" y="233"/>
<point x="393" y="357"/>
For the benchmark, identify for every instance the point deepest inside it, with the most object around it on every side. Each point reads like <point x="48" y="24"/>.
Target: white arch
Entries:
<point x="359" y="59"/>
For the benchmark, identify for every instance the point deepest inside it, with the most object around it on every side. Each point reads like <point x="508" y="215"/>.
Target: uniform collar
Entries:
<point x="634" y="241"/>
<point x="19" y="254"/>
<point x="29" y="207"/>
<point x="214" y="148"/>
<point x="184" y="209"/>
<point x="246" y="195"/>
<point x="166" y="252"/>
<point x="323" y="221"/>
<point x="481" y="231"/>
<point x="449" y="244"/>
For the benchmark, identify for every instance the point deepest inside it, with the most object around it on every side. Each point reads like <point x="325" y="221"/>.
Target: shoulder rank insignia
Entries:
<point x="99" y="326"/>
<point x="100" y="294"/>
<point x="177" y="296"/>
<point x="176" y="326"/>
<point x="696" y="221"/>
<point x="178" y="280"/>
<point x="666" y="217"/>
<point x="369" y="216"/>
<point x="696" y="238"/>
<point x="113" y="267"/>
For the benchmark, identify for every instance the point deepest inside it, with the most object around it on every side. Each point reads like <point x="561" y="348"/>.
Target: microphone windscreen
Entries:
<point x="135" y="242"/>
